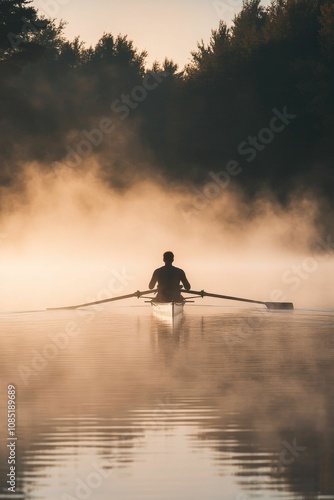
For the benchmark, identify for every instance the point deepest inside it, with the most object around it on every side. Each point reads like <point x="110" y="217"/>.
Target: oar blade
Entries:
<point x="287" y="306"/>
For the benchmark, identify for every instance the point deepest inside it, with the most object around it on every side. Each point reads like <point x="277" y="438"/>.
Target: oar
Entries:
<point x="270" y="305"/>
<point x="112" y="299"/>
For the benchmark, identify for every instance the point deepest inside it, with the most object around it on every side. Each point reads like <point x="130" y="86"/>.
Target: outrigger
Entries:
<point x="172" y="309"/>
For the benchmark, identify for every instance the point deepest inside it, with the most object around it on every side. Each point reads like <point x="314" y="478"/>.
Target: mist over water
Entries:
<point x="104" y="165"/>
<point x="70" y="238"/>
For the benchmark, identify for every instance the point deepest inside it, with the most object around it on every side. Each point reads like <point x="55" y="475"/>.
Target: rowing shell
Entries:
<point x="167" y="309"/>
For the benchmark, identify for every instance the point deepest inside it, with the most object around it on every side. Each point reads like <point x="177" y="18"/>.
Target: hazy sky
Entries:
<point x="162" y="28"/>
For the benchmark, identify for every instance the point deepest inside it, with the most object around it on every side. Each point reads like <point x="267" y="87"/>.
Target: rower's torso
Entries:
<point x="169" y="277"/>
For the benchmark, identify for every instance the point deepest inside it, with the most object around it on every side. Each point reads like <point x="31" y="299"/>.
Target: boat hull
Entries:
<point x="167" y="309"/>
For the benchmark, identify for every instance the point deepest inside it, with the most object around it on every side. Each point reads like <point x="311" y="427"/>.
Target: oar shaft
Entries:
<point x="112" y="299"/>
<point x="202" y="293"/>
<point x="269" y="305"/>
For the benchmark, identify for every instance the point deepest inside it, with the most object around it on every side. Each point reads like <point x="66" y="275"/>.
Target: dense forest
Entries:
<point x="256" y="102"/>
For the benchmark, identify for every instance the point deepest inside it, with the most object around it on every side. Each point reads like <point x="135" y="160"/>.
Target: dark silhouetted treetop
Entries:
<point x="206" y="58"/>
<point x="73" y="54"/>
<point x="119" y="51"/>
<point x="296" y="22"/>
<point x="19" y="22"/>
<point x="168" y="68"/>
<point x="247" y="28"/>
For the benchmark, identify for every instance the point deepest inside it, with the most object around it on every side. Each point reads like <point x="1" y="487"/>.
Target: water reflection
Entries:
<point x="233" y="404"/>
<point x="168" y="337"/>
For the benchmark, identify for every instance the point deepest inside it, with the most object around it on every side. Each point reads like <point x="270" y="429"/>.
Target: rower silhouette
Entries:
<point x="168" y="278"/>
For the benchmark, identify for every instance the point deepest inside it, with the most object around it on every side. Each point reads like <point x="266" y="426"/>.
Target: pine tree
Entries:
<point x="18" y="23"/>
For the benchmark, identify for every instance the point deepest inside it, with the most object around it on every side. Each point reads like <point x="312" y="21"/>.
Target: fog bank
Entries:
<point x="70" y="239"/>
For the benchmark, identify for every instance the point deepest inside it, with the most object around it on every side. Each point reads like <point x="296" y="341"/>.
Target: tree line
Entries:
<point x="260" y="93"/>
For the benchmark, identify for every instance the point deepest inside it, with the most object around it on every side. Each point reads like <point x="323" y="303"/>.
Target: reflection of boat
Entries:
<point x="167" y="309"/>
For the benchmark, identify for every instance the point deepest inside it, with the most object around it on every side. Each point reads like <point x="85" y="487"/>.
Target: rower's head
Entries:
<point x="168" y="257"/>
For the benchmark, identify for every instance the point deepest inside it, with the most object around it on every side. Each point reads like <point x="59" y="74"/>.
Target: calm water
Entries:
<point x="113" y="404"/>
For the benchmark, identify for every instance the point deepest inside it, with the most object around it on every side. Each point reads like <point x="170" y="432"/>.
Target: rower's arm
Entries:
<point x="153" y="281"/>
<point x="185" y="282"/>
